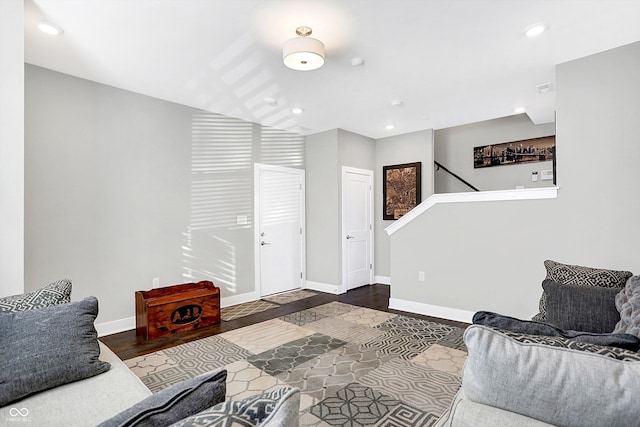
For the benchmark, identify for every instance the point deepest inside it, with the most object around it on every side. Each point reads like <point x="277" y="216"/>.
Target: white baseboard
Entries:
<point x="383" y="280"/>
<point x="323" y="287"/>
<point x="239" y="299"/>
<point x="431" y="310"/>
<point x="115" y="326"/>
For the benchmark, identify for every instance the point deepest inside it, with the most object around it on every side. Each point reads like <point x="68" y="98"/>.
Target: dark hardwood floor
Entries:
<point x="127" y="345"/>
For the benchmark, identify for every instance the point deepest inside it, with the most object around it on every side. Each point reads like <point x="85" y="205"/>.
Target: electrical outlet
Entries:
<point x="421" y="276"/>
<point x="155" y="282"/>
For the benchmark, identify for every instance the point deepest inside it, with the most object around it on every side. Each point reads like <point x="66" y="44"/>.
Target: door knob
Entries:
<point x="350" y="237"/>
<point x="262" y="243"/>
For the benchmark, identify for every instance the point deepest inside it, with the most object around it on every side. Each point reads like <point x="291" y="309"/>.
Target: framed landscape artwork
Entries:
<point x="401" y="190"/>
<point x="516" y="152"/>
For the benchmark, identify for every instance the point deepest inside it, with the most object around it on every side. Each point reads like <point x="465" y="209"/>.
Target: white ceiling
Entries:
<point x="450" y="62"/>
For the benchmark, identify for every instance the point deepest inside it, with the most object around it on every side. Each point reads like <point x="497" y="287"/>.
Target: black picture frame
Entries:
<point x="401" y="189"/>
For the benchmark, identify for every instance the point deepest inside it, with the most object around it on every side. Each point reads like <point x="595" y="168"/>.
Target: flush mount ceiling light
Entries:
<point x="303" y="53"/>
<point x="535" y="29"/>
<point x="49" y="28"/>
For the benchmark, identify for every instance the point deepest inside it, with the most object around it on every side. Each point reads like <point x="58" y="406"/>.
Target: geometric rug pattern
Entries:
<point x="287" y="297"/>
<point x="354" y="366"/>
<point x="241" y="310"/>
<point x="273" y="301"/>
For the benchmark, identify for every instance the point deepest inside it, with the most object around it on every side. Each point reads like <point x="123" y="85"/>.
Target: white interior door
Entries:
<point x="279" y="229"/>
<point x="357" y="227"/>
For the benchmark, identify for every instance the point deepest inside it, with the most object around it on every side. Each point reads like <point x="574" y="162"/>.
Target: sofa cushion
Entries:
<point x="549" y="383"/>
<point x="41" y="349"/>
<point x="273" y="409"/>
<point x="529" y="327"/>
<point x="53" y="294"/>
<point x="628" y="304"/>
<point x="467" y="413"/>
<point x="581" y="308"/>
<point x="579" y="275"/>
<point x="119" y="388"/>
<point x="174" y="403"/>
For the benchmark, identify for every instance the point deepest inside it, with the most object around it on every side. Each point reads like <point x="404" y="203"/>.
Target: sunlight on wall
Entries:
<point x="218" y="244"/>
<point x="221" y="194"/>
<point x="281" y="148"/>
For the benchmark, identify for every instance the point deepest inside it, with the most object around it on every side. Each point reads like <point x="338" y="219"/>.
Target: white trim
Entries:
<point x="324" y="287"/>
<point x="257" y="168"/>
<point x="475" y="196"/>
<point x="115" y="326"/>
<point x="383" y="280"/>
<point x="431" y="310"/>
<point x="239" y="299"/>
<point x="369" y="174"/>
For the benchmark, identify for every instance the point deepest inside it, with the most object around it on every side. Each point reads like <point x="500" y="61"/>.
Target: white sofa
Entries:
<point x="82" y="403"/>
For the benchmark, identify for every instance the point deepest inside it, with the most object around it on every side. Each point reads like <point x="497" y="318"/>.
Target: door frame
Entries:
<point x="369" y="173"/>
<point x="257" y="168"/>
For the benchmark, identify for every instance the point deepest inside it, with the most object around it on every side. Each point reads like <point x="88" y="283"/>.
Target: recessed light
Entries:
<point x="297" y="110"/>
<point x="389" y="127"/>
<point x="49" y="28"/>
<point x="519" y="110"/>
<point x="271" y="101"/>
<point x="535" y="29"/>
<point x="356" y="62"/>
<point x="397" y="103"/>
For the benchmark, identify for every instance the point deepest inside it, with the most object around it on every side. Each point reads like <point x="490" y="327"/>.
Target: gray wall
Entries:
<point x="408" y="148"/>
<point x="488" y="256"/>
<point x="322" y="193"/>
<point x="11" y="147"/>
<point x="453" y="148"/>
<point x="121" y="188"/>
<point x="326" y="153"/>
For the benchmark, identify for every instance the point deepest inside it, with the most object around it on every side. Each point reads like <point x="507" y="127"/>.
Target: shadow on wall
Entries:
<point x="218" y="244"/>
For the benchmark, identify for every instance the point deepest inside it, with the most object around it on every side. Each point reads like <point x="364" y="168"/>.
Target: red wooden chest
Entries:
<point x="177" y="308"/>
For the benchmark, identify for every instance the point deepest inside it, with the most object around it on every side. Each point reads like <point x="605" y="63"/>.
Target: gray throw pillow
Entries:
<point x="581" y="308"/>
<point x="621" y="340"/>
<point x="628" y="305"/>
<point x="567" y="274"/>
<point x="555" y="385"/>
<point x="53" y="294"/>
<point x="273" y="409"/>
<point x="42" y="349"/>
<point x="174" y="403"/>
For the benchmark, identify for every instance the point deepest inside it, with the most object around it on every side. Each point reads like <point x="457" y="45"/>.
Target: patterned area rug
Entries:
<point x="354" y="366"/>
<point x="241" y="310"/>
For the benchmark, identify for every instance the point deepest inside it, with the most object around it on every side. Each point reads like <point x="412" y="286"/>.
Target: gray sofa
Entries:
<point x="546" y="373"/>
<point x="86" y="402"/>
<point x="55" y="372"/>
<point x="519" y="380"/>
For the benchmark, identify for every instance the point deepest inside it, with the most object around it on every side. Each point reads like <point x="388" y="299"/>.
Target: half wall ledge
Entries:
<point x="480" y="196"/>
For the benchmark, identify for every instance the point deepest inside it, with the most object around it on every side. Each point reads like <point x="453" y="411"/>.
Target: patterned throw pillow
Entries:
<point x="566" y="274"/>
<point x="276" y="408"/>
<point x="612" y="352"/>
<point x="53" y="294"/>
<point x="174" y="403"/>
